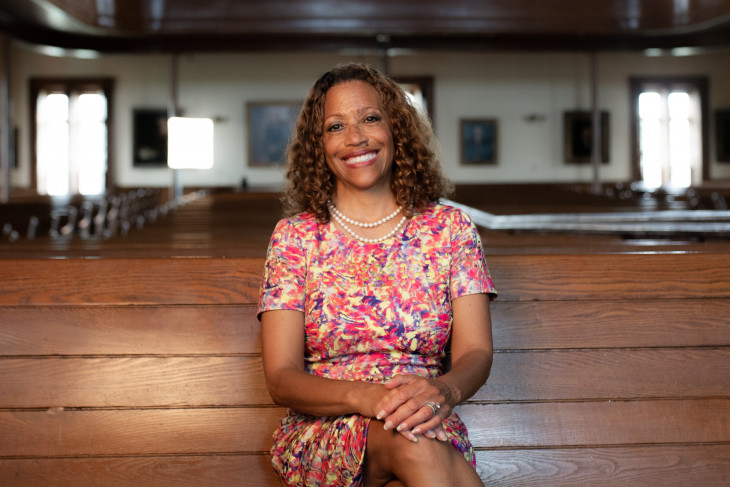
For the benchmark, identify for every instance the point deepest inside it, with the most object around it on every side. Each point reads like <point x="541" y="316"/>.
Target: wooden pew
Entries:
<point x="240" y="224"/>
<point x="132" y="372"/>
<point x="76" y="217"/>
<point x="609" y="369"/>
<point x="213" y="225"/>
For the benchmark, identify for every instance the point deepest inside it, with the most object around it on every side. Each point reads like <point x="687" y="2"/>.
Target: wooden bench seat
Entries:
<point x="608" y="369"/>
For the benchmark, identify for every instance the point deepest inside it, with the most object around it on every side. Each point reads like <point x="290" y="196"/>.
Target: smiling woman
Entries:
<point x="357" y="305"/>
<point x="416" y="179"/>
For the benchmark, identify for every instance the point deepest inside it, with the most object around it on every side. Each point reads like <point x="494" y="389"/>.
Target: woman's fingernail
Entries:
<point x="380" y="415"/>
<point x="441" y="435"/>
<point x="401" y="427"/>
<point x="388" y="425"/>
<point x="430" y="434"/>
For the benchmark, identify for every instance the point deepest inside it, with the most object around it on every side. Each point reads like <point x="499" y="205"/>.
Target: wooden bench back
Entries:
<point x="608" y="369"/>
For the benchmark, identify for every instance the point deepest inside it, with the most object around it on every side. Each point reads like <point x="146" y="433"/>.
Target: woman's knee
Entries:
<point x="394" y="452"/>
<point x="427" y="462"/>
<point x="427" y="453"/>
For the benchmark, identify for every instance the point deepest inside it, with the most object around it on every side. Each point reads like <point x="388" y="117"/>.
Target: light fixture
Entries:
<point x="189" y="143"/>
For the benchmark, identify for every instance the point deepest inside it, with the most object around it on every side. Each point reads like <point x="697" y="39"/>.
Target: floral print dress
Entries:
<point x="371" y="311"/>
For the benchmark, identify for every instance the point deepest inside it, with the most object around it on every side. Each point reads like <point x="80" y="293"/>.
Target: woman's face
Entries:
<point x="358" y="140"/>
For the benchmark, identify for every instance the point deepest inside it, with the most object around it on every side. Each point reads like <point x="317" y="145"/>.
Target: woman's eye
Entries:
<point x="372" y="118"/>
<point x="334" y="127"/>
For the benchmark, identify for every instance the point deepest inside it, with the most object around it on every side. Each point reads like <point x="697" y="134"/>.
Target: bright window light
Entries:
<point x="669" y="137"/>
<point x="189" y="143"/>
<point x="71" y="143"/>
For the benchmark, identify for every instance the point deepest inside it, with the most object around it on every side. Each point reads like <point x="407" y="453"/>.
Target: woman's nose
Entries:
<point x="355" y="134"/>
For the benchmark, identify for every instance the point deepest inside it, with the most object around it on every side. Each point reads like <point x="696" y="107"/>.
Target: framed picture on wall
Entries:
<point x="722" y="135"/>
<point x="478" y="139"/>
<point x="578" y="136"/>
<point x="149" y="126"/>
<point x="270" y="126"/>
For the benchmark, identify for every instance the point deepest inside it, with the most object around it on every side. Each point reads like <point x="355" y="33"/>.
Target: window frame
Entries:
<point x="425" y="83"/>
<point x="68" y="86"/>
<point x="636" y="85"/>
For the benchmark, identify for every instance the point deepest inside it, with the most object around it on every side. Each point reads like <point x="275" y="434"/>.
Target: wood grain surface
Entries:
<point x="609" y="369"/>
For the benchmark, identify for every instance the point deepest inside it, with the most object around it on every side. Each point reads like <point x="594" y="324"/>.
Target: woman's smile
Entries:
<point x="361" y="160"/>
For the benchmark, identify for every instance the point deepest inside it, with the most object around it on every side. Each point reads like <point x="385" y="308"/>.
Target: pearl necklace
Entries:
<point x="361" y="224"/>
<point x="339" y="218"/>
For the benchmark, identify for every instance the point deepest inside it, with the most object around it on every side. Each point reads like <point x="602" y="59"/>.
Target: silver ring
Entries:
<point x="434" y="406"/>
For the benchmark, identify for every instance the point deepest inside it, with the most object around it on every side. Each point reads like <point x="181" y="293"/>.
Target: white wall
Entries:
<point x="500" y="85"/>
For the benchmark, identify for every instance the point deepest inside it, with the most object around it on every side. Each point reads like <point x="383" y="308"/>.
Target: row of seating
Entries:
<point x="89" y="218"/>
<point x="609" y="368"/>
<point x="660" y="198"/>
<point x="117" y="215"/>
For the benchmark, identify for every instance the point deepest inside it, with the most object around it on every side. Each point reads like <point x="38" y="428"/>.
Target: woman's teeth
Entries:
<point x="362" y="158"/>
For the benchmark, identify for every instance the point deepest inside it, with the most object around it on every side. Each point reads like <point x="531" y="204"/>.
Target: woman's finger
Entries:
<point x="427" y="417"/>
<point x="408" y="435"/>
<point x="399" y="402"/>
<point x="415" y="401"/>
<point x="429" y="430"/>
<point x="399" y="380"/>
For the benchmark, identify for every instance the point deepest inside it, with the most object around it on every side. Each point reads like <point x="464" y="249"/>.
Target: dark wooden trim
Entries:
<point x="314" y="24"/>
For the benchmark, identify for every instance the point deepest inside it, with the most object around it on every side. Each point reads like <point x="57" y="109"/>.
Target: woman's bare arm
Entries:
<point x="288" y="383"/>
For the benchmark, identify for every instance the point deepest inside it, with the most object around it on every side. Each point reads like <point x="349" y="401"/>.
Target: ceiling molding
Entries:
<point x="278" y="25"/>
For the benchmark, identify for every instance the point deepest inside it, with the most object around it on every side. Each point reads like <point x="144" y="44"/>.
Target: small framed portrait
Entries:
<point x="578" y="137"/>
<point x="149" y="126"/>
<point x="722" y="135"/>
<point x="270" y="127"/>
<point x="478" y="141"/>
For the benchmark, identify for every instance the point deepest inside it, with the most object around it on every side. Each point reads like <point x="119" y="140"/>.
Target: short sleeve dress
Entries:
<point x="371" y="311"/>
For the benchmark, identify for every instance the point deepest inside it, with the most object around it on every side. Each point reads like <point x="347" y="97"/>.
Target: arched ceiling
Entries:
<point x="266" y="25"/>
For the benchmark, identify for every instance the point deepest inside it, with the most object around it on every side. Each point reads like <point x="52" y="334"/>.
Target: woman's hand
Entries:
<point x="415" y="405"/>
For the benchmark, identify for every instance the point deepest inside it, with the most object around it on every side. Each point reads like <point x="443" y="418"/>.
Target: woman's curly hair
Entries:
<point x="417" y="180"/>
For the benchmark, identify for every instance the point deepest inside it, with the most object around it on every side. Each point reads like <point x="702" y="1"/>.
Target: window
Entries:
<point x="419" y="90"/>
<point x="70" y="136"/>
<point x="669" y="132"/>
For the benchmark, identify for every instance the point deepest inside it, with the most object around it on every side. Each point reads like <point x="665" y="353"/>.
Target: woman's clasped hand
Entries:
<point x="414" y="406"/>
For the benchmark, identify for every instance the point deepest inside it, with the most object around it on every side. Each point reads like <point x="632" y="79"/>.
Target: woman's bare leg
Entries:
<point x="391" y="457"/>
